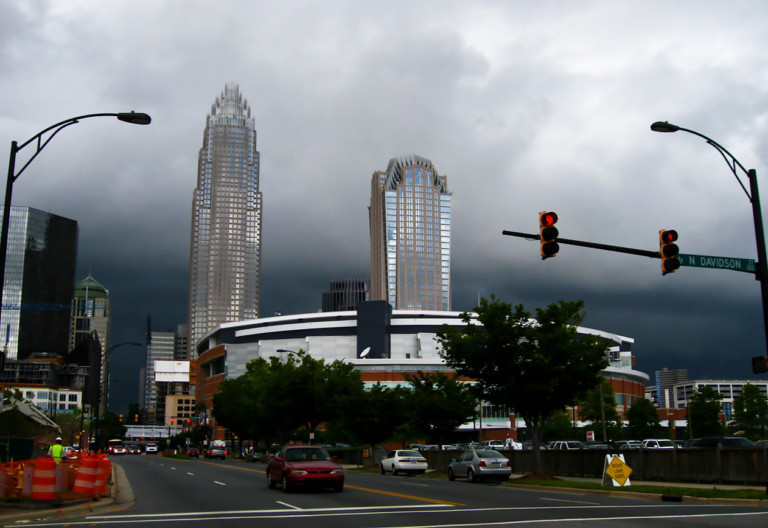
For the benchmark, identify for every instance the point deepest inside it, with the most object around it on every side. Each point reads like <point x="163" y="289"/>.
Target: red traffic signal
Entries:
<point x="668" y="250"/>
<point x="548" y="234"/>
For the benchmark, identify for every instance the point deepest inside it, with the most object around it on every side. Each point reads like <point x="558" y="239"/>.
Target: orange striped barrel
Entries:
<point x="44" y="479"/>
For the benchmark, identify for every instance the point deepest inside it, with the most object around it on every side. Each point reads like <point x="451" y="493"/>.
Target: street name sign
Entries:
<point x="710" y="261"/>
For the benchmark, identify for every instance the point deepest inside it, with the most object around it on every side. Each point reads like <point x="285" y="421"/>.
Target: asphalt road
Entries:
<point x="197" y="493"/>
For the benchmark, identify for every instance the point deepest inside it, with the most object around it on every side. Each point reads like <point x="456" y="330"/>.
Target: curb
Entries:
<point x="667" y="497"/>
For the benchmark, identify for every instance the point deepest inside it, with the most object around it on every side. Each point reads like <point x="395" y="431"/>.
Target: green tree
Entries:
<point x="750" y="412"/>
<point x="534" y="366"/>
<point x="704" y="410"/>
<point x="599" y="407"/>
<point x="558" y="426"/>
<point x="275" y="398"/>
<point x="372" y="416"/>
<point x="643" y="420"/>
<point x="438" y="404"/>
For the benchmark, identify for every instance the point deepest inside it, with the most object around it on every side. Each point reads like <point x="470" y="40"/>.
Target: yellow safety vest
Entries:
<point x="57" y="452"/>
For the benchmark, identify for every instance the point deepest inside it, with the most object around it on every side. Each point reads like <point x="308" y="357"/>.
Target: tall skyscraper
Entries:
<point x="410" y="223"/>
<point x="90" y="312"/>
<point x="91" y="315"/>
<point x="39" y="278"/>
<point x="225" y="255"/>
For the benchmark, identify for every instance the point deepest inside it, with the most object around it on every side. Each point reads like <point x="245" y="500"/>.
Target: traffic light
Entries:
<point x="171" y="421"/>
<point x="121" y="418"/>
<point x="548" y="234"/>
<point x="136" y="418"/>
<point x="668" y="250"/>
<point x="760" y="364"/>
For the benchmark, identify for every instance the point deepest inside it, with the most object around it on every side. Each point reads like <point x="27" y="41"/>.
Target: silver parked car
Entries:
<point x="480" y="464"/>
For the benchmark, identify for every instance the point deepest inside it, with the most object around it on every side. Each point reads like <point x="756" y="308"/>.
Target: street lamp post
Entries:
<point x="42" y="139"/>
<point x="761" y="268"/>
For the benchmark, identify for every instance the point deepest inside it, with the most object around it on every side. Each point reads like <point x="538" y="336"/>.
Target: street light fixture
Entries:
<point x="761" y="267"/>
<point x="42" y="139"/>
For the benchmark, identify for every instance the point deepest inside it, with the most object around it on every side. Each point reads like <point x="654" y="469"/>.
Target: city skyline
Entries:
<point x="526" y="108"/>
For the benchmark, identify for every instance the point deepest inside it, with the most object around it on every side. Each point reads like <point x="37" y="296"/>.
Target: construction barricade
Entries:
<point x="44" y="479"/>
<point x="103" y="474"/>
<point x="41" y="479"/>
<point x="85" y="479"/>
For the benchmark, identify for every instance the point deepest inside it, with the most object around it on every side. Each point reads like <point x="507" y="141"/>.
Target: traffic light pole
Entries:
<point x="593" y="245"/>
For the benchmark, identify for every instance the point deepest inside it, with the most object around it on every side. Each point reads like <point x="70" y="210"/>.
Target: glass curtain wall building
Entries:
<point x="39" y="279"/>
<point x="410" y="223"/>
<point x="225" y="259"/>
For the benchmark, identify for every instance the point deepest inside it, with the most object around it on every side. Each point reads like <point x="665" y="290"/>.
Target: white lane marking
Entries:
<point x="236" y="512"/>
<point x="219" y="483"/>
<point x="586" y="519"/>
<point x="289" y="514"/>
<point x="571" y="501"/>
<point x="288" y="505"/>
<point x="188" y="473"/>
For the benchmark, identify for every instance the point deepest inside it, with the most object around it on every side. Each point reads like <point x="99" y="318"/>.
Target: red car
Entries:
<point x="304" y="466"/>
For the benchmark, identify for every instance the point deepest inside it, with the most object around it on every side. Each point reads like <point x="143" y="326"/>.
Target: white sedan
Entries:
<point x="404" y="461"/>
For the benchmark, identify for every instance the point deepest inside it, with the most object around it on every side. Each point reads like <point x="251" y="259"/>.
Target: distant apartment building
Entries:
<point x="225" y="252"/>
<point x="164" y="374"/>
<point x="666" y="379"/>
<point x="48" y="381"/>
<point x="160" y="347"/>
<point x="345" y="295"/>
<point x="39" y="278"/>
<point x="682" y="392"/>
<point x="410" y="233"/>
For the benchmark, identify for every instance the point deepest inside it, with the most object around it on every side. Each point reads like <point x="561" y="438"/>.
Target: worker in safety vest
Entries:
<point x="57" y="451"/>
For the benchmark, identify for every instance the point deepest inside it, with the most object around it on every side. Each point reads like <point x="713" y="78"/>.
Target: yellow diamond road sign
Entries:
<point x="618" y="471"/>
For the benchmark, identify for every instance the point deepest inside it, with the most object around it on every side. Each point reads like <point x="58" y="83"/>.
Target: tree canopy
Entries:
<point x="704" y="410"/>
<point x="750" y="412"/>
<point x="534" y="366"/>
<point x="438" y="405"/>
<point x="274" y="398"/>
<point x="643" y="420"/>
<point x="599" y="407"/>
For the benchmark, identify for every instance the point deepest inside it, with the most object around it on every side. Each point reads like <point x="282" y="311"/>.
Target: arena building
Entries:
<point x="383" y="344"/>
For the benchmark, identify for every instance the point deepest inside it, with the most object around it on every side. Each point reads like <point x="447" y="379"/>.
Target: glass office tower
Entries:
<point x="410" y="223"/>
<point x="225" y="255"/>
<point x="39" y="279"/>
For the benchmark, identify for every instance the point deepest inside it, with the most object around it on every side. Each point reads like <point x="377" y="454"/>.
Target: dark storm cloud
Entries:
<point x="523" y="107"/>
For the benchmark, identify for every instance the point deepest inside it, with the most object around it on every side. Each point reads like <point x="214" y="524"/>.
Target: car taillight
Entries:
<point x="482" y="463"/>
<point x="509" y="463"/>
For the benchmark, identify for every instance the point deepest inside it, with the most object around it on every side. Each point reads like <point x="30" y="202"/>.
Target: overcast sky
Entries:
<point x="524" y="106"/>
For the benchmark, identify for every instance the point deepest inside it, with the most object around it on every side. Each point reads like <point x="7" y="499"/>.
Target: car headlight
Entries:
<point x="298" y="472"/>
<point x="337" y="472"/>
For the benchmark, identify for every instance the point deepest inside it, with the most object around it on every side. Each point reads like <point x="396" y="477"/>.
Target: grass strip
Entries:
<point x="714" y="492"/>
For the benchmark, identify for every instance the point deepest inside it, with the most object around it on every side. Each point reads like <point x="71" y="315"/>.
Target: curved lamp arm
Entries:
<point x="730" y="159"/>
<point x="136" y="118"/>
